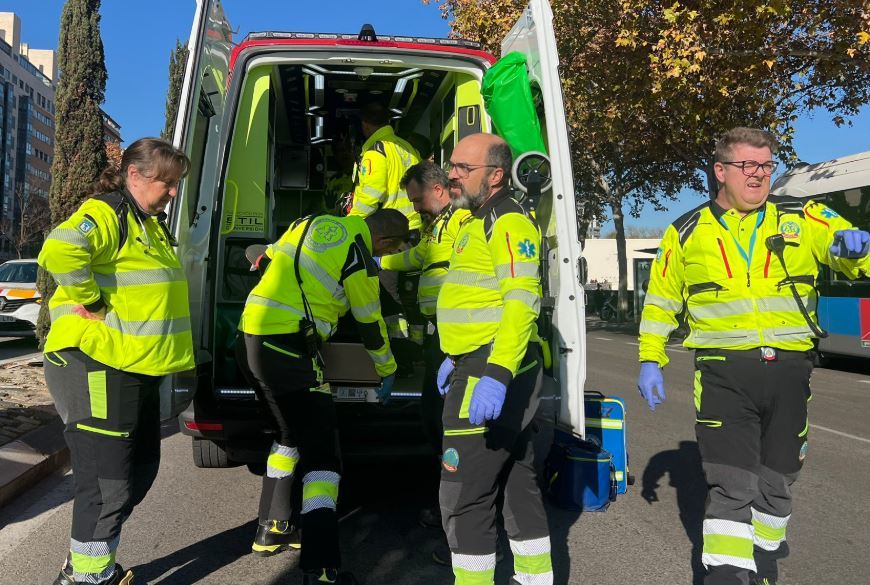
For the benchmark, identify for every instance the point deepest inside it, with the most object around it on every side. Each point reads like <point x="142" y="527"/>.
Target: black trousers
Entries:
<point x="752" y="431"/>
<point x="112" y="429"/>
<point x="301" y="409"/>
<point x="478" y="462"/>
<point x="431" y="402"/>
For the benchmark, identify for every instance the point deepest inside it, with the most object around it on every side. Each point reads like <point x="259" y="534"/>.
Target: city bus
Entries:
<point x="844" y="305"/>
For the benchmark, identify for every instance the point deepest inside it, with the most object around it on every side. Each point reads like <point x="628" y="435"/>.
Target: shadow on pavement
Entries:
<point x="199" y="560"/>
<point x="853" y="365"/>
<point x="685" y="474"/>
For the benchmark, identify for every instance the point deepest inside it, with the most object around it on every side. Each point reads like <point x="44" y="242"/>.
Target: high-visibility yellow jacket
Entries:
<point x="111" y="254"/>
<point x="734" y="289"/>
<point x="431" y="255"/>
<point x="492" y="291"/>
<point x="378" y="174"/>
<point x="338" y="273"/>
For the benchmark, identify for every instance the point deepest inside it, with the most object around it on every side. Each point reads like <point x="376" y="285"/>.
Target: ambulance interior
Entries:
<point x="292" y="145"/>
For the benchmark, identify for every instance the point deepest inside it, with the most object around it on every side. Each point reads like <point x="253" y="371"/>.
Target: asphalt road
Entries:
<point x="196" y="525"/>
<point x="12" y="348"/>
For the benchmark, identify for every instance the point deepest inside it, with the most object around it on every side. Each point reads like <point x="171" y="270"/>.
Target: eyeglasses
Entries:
<point x="463" y="169"/>
<point x="750" y="167"/>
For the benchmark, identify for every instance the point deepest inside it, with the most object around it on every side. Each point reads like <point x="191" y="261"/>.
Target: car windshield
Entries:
<point x="18" y="272"/>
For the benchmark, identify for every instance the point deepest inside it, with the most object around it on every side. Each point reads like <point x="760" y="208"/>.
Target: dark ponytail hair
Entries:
<point x="155" y="158"/>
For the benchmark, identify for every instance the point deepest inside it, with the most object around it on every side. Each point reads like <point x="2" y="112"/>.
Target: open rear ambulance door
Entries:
<point x="197" y="130"/>
<point x="533" y="36"/>
<point x="197" y="133"/>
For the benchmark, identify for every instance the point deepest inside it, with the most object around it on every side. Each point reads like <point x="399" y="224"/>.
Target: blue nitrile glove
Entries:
<point x="850" y="244"/>
<point x="377" y="260"/>
<point x="444" y="372"/>
<point x="386" y="388"/>
<point x="486" y="401"/>
<point x="648" y="381"/>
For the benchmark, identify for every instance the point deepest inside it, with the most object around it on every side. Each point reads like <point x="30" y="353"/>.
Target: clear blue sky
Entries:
<point x="138" y="39"/>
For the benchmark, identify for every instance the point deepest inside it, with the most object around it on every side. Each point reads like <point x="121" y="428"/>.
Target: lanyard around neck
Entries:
<point x="747" y="256"/>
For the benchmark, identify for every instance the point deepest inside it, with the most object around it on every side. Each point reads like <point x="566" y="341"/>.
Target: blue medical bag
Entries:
<point x="579" y="474"/>
<point x="605" y="424"/>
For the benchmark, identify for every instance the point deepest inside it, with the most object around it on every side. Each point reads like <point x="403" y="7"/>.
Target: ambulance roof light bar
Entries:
<point x="356" y="37"/>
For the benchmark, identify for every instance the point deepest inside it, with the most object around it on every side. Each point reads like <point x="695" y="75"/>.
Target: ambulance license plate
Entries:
<point x="345" y="394"/>
<point x="6" y="319"/>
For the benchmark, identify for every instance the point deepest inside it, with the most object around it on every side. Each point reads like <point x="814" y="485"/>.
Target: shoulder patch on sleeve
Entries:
<point x="86" y="226"/>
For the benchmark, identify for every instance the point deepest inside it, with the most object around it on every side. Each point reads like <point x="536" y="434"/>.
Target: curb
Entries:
<point x="27" y="460"/>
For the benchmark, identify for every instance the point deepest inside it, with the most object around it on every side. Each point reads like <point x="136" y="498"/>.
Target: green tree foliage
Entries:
<point x="177" y="64"/>
<point x="649" y="85"/>
<point x="79" y="149"/>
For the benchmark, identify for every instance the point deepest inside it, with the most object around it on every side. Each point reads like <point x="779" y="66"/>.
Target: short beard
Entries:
<point x="467" y="201"/>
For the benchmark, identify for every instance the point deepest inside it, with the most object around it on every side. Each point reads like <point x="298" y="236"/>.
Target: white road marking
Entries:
<point x="841" y="433"/>
<point x="864" y="381"/>
<point x="603" y="338"/>
<point x="632" y="343"/>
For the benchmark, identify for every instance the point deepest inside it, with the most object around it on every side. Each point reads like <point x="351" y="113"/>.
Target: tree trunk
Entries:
<point x="621" y="257"/>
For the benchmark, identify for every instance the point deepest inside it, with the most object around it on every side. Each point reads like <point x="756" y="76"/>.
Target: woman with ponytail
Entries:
<point x="120" y="324"/>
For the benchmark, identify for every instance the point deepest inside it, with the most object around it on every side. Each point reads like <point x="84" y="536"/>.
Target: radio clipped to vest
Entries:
<point x="307" y="325"/>
<point x="776" y="244"/>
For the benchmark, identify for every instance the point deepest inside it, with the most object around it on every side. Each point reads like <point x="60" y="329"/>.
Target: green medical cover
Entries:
<point x="507" y="96"/>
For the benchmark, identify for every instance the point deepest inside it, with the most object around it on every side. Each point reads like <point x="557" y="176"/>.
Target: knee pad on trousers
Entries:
<point x="732" y="491"/>
<point x="448" y="499"/>
<point x="117" y="505"/>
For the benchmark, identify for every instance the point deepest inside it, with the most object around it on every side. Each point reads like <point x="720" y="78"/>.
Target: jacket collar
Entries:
<point x="718" y="212"/>
<point x="137" y="210"/>
<point x="490" y="203"/>
<point x="379" y="134"/>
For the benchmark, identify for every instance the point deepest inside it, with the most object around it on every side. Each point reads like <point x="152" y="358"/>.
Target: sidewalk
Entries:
<point x="31" y="433"/>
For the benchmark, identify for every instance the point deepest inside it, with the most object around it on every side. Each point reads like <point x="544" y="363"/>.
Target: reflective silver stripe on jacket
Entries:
<point x="785" y="304"/>
<point x="482" y="315"/>
<point x="786" y="334"/>
<point x="365" y="312"/>
<point x="70" y="236"/>
<point x="137" y="328"/>
<point x="310" y="266"/>
<point x="73" y="278"/>
<point x="323" y="327"/>
<point x="528" y="298"/>
<point x="667" y="304"/>
<point x="516" y="270"/>
<point x="723" y="309"/>
<point x="475" y="279"/>
<point x="656" y="327"/>
<point x="142" y="328"/>
<point x="140" y="277"/>
<point x="723" y="339"/>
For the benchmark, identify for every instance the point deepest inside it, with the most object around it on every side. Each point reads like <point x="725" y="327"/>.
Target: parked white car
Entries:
<point x="19" y="299"/>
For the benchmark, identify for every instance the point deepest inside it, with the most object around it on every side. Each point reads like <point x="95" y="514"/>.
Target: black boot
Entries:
<point x="328" y="576"/>
<point x="65" y="577"/>
<point x="120" y="577"/>
<point x="766" y="564"/>
<point x="274" y="536"/>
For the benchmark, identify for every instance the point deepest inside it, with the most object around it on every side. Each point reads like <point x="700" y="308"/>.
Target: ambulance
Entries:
<point x="257" y="119"/>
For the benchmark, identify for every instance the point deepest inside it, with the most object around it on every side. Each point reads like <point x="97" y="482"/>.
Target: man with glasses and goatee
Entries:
<point x="744" y="268"/>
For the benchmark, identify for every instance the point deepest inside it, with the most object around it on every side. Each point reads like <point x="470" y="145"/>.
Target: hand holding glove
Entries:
<point x="486" y="401"/>
<point x="386" y="388"/>
<point x="649" y="381"/>
<point x="443" y="379"/>
<point x="850" y="244"/>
